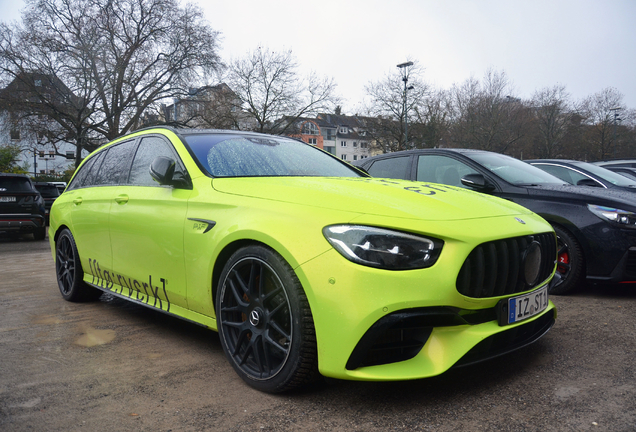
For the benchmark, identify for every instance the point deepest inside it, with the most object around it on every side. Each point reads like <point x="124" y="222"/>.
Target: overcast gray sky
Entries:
<point x="585" y="45"/>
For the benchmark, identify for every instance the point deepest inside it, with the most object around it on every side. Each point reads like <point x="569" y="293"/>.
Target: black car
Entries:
<point x="596" y="228"/>
<point x="21" y="206"/>
<point x="49" y="192"/>
<point x="628" y="172"/>
<point x="625" y="167"/>
<point x="584" y="174"/>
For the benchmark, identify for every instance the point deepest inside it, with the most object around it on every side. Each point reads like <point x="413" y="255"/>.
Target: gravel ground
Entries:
<point x="113" y="366"/>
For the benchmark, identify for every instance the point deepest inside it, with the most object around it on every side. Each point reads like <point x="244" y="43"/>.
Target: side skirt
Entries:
<point x="176" y="311"/>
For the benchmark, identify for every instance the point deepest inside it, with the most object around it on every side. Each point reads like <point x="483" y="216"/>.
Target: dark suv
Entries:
<point x="21" y="206"/>
<point x="49" y="192"/>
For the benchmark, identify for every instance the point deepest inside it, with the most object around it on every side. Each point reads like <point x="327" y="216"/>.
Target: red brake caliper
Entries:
<point x="564" y="258"/>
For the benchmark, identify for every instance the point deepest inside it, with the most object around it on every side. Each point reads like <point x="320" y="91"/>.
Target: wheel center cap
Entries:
<point x="255" y="317"/>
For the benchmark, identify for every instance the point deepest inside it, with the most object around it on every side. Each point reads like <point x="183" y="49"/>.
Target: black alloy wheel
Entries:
<point x="265" y="324"/>
<point x="569" y="262"/>
<point x="68" y="269"/>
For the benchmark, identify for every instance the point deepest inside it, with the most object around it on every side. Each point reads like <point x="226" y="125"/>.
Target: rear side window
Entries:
<point x="149" y="148"/>
<point x="86" y="173"/>
<point x="390" y="168"/>
<point x="116" y="164"/>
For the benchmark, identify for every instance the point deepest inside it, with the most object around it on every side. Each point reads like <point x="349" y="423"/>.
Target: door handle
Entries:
<point x="77" y="201"/>
<point x="121" y="199"/>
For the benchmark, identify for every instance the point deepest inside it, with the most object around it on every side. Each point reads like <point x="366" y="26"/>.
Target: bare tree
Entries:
<point x="600" y="112"/>
<point x="432" y="120"/>
<point x="487" y="115"/>
<point x="116" y="57"/>
<point x="271" y="90"/>
<point x="387" y="106"/>
<point x="552" y="116"/>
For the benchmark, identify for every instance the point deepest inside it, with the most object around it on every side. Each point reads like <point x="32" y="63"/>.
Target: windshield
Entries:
<point x="234" y="155"/>
<point x="607" y="175"/>
<point x="513" y="170"/>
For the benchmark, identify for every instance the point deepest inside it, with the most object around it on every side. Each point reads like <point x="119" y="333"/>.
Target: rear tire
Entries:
<point x="265" y="324"/>
<point x="570" y="262"/>
<point x="68" y="269"/>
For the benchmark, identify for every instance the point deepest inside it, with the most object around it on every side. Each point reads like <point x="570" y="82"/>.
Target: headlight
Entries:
<point x="623" y="218"/>
<point x="383" y="248"/>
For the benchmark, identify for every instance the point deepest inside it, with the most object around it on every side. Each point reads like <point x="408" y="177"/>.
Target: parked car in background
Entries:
<point x="60" y="186"/>
<point x="21" y="206"/>
<point x="302" y="263"/>
<point x="628" y="172"/>
<point x="49" y="193"/>
<point x="584" y="174"/>
<point x="617" y="163"/>
<point x="596" y="228"/>
<point x="625" y="167"/>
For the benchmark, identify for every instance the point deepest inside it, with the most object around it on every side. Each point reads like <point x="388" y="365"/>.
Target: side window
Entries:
<point x="566" y="174"/>
<point x="116" y="163"/>
<point x="442" y="169"/>
<point x="148" y="150"/>
<point x="390" y="168"/>
<point x="87" y="173"/>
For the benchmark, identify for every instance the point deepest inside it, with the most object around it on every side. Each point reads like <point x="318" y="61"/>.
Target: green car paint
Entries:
<point x="166" y="246"/>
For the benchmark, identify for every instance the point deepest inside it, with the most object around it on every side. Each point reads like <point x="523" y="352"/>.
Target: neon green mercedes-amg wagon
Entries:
<point x="303" y="264"/>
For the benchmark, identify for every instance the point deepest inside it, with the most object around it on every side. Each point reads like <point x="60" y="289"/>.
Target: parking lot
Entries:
<point x="110" y="365"/>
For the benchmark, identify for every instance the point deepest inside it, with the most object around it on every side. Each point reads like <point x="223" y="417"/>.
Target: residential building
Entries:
<point x="38" y="137"/>
<point x="215" y="107"/>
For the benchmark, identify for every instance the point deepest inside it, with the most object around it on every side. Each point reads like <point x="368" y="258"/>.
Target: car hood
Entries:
<point x="394" y="198"/>
<point x="587" y="195"/>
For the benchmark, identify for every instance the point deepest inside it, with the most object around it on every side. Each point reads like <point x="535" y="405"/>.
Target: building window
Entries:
<point x="344" y="129"/>
<point x="355" y="144"/>
<point x="343" y="143"/>
<point x="15" y="134"/>
<point x="343" y="157"/>
<point x="355" y="157"/>
<point x="363" y="145"/>
<point x="312" y="141"/>
<point x="309" y="129"/>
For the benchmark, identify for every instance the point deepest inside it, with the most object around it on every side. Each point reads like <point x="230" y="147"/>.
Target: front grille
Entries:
<point x="498" y="268"/>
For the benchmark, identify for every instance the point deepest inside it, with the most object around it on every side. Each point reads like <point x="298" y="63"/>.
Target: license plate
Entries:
<point x="7" y="199"/>
<point x="522" y="307"/>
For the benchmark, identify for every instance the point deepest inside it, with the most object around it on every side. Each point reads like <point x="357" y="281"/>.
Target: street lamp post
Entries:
<point x="616" y="118"/>
<point x="405" y="77"/>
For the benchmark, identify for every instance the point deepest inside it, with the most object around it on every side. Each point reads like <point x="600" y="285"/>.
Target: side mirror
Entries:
<point x="588" y="182"/>
<point x="162" y="170"/>
<point x="477" y="182"/>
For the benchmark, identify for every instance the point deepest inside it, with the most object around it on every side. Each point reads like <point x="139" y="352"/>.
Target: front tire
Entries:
<point x="570" y="262"/>
<point x="68" y="269"/>
<point x="265" y="323"/>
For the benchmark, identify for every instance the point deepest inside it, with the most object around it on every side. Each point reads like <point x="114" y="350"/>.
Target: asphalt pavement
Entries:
<point x="113" y="366"/>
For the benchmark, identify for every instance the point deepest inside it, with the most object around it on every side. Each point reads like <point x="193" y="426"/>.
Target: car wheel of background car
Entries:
<point x="39" y="233"/>
<point x="69" y="271"/>
<point x="569" y="262"/>
<point x="265" y="323"/>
